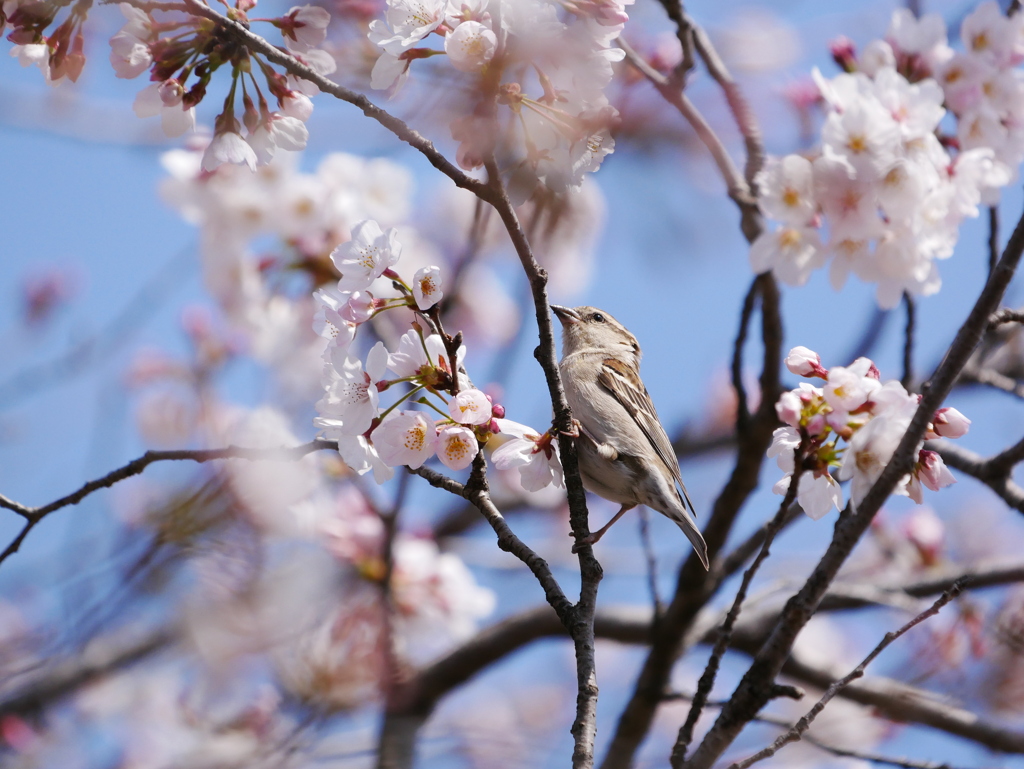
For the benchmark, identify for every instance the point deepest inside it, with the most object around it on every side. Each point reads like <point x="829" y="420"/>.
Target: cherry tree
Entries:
<point x="302" y="599"/>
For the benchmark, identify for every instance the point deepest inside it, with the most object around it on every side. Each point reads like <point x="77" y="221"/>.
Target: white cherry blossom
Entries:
<point x="457" y="447"/>
<point x="351" y="392"/>
<point x="470" y="46"/>
<point x="426" y="287"/>
<point x="366" y="256"/>
<point x="788" y="186"/>
<point x="407" y="438"/>
<point x="517" y="445"/>
<point x="470" y="407"/>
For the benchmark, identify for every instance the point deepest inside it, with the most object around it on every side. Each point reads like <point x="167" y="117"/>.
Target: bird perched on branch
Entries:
<point x="624" y="454"/>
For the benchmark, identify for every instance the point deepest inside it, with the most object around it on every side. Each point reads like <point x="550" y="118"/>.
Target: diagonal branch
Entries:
<point x="754" y="689"/>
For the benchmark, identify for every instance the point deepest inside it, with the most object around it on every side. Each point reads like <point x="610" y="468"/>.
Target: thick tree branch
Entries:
<point x="754" y="689"/>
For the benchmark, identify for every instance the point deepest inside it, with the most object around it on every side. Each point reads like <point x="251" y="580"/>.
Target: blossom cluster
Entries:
<point x="182" y="65"/>
<point x="886" y="192"/>
<point x="427" y="365"/>
<point x="869" y="417"/>
<point x="547" y="62"/>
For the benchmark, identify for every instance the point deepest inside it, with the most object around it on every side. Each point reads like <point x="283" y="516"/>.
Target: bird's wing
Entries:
<point x="623" y="382"/>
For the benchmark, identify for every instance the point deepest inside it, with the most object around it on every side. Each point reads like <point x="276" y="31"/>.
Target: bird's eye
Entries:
<point x="597" y="317"/>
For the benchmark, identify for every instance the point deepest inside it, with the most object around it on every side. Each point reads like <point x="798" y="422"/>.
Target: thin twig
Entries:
<point x="34" y="515"/>
<point x="801" y="726"/>
<point x="707" y="678"/>
<point x="742" y="409"/>
<point x="651" y="560"/>
<point x="1005" y="316"/>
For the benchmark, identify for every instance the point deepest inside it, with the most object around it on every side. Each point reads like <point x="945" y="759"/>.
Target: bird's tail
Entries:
<point x="689" y="527"/>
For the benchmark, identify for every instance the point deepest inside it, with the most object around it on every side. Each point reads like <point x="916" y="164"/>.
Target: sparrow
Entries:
<point x="624" y="454"/>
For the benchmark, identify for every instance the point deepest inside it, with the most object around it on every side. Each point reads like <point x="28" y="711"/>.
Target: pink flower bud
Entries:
<point x="932" y="471"/>
<point x="844" y="53"/>
<point x="497" y="410"/>
<point x="805" y="362"/>
<point x="950" y="423"/>
<point x="816" y="424"/>
<point x="788" y="408"/>
<point x="494" y="426"/>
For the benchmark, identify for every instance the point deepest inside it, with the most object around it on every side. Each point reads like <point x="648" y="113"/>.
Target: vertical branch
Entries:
<point x="742" y="410"/>
<point x="652" y="566"/>
<point x="993" y="237"/>
<point x="908" y="343"/>
<point x="581" y="628"/>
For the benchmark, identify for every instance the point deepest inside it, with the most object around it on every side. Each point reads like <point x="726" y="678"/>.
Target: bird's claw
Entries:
<point x="574" y="431"/>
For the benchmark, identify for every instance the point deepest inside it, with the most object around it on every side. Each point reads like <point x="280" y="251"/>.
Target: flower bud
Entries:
<point x="788" y="408"/>
<point x="805" y="362"/>
<point x="497" y="411"/>
<point x="950" y="423"/>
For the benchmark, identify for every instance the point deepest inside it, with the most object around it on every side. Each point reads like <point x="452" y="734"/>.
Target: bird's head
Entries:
<point x="588" y="328"/>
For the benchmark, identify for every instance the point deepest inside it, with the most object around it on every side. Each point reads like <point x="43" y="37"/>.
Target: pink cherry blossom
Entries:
<point x="950" y="423"/>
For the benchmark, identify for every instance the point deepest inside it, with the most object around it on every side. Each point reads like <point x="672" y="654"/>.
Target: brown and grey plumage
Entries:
<point x="625" y="455"/>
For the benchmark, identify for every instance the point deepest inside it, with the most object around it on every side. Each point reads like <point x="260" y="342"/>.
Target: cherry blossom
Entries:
<point x="457" y="447"/>
<point x="470" y="407"/>
<point x="408" y="438"/>
<point x="536" y="456"/>
<point x="366" y="256"/>
<point x="426" y="287"/>
<point x="351" y="393"/>
<point x="228" y="146"/>
<point x="305" y="26"/>
<point x="869" y="417"/>
<point x="165" y="100"/>
<point x="470" y="46"/>
<point x="129" y="48"/>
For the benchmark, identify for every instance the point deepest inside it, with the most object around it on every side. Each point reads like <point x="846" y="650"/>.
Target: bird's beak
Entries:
<point x="565" y="314"/>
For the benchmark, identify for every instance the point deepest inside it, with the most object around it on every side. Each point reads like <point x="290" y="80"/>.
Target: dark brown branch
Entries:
<point x="1005" y="316"/>
<point x="59" y="679"/>
<point x="801" y="726"/>
<point x="632" y="625"/>
<point x="584" y="728"/>
<point x="908" y="343"/>
<point x="993" y="237"/>
<point x="996" y="478"/>
<point x="754" y="689"/>
<point x="905" y="763"/>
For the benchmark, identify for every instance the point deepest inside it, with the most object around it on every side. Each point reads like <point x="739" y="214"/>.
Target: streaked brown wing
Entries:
<point x="622" y="381"/>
